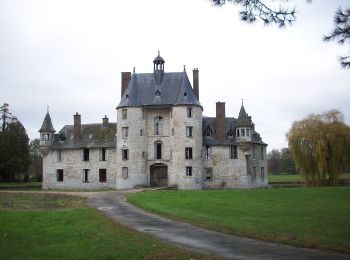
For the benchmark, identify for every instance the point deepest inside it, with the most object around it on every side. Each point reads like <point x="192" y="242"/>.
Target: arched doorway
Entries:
<point x="158" y="175"/>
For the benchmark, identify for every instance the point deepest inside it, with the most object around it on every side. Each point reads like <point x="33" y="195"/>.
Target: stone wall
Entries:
<point x="72" y="165"/>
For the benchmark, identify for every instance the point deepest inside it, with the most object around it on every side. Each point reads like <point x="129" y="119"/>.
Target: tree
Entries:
<point x="35" y="169"/>
<point x="341" y="33"/>
<point x="6" y="116"/>
<point x="320" y="145"/>
<point x="14" y="152"/>
<point x="256" y="9"/>
<point x="273" y="161"/>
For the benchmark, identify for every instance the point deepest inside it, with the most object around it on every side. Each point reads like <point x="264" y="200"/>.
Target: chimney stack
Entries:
<point x="196" y="82"/>
<point x="77" y="127"/>
<point x="126" y="76"/>
<point x="105" y="121"/>
<point x="220" y="122"/>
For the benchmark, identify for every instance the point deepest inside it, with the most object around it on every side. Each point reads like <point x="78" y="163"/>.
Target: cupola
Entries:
<point x="46" y="132"/>
<point x="158" y="69"/>
<point x="244" y="126"/>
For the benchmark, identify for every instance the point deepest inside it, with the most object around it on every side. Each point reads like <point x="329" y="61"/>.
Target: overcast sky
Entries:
<point x="69" y="55"/>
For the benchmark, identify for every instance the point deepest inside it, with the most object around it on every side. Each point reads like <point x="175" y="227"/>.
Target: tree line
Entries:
<point x="19" y="159"/>
<point x="281" y="162"/>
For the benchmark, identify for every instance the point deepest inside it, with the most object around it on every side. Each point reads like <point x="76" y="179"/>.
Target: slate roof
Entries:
<point x="230" y="124"/>
<point x="243" y="118"/>
<point x="149" y="89"/>
<point x="92" y="136"/>
<point x="47" y="125"/>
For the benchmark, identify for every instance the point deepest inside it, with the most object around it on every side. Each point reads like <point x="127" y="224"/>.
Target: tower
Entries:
<point x="46" y="134"/>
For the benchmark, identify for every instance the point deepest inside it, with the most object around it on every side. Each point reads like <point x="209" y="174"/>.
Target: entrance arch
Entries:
<point x="158" y="175"/>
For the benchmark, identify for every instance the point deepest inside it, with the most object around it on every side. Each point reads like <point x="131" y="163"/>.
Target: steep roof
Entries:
<point x="144" y="89"/>
<point x="230" y="124"/>
<point x="47" y="124"/>
<point x="92" y="136"/>
<point x="243" y="118"/>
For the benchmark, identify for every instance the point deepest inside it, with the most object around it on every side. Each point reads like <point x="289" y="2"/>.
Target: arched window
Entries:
<point x="208" y="132"/>
<point x="230" y="133"/>
<point x="158" y="125"/>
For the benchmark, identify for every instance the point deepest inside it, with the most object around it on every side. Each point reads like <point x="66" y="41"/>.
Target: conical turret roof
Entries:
<point x="47" y="125"/>
<point x="243" y="118"/>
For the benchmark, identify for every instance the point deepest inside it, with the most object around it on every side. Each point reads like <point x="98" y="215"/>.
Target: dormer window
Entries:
<point x="242" y="132"/>
<point x="238" y="132"/>
<point x="208" y="132"/>
<point x="248" y="131"/>
<point x="230" y="133"/>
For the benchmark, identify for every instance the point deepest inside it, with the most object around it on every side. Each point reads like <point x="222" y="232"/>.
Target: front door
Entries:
<point x="158" y="175"/>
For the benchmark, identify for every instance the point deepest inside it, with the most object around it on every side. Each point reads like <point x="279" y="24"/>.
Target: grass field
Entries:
<point x="21" y="184"/>
<point x="297" y="177"/>
<point x="305" y="217"/>
<point x="46" y="226"/>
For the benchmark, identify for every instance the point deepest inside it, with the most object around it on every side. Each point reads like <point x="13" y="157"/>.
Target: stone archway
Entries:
<point x="158" y="175"/>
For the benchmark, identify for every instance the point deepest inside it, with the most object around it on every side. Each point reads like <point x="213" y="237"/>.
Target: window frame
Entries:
<point x="125" y="154"/>
<point x="86" y="154"/>
<point x="189" y="131"/>
<point x="86" y="175"/>
<point x="208" y="152"/>
<point x="102" y="154"/>
<point x="59" y="175"/>
<point x="124" y="113"/>
<point x="102" y="175"/>
<point x="189" y="171"/>
<point x="188" y="153"/>
<point x="189" y="112"/>
<point x="125" y="132"/>
<point x="158" y="125"/>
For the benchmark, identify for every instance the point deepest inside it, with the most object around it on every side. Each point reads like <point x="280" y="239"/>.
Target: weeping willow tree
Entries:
<point x="320" y="146"/>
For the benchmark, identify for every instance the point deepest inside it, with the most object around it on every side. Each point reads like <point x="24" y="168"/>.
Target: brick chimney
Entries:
<point x="105" y="121"/>
<point x="77" y="127"/>
<point x="126" y="76"/>
<point x="220" y="122"/>
<point x="196" y="82"/>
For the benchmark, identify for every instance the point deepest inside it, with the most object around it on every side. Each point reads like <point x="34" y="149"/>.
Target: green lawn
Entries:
<point x="297" y="177"/>
<point x="306" y="217"/>
<point x="49" y="226"/>
<point x="21" y="184"/>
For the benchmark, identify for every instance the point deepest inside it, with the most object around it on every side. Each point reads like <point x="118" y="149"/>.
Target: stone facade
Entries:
<point x="160" y="139"/>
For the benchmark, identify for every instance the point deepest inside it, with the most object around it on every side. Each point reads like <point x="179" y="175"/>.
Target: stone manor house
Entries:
<point x="161" y="138"/>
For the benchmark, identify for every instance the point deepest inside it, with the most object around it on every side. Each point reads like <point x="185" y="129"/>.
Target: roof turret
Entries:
<point x="243" y="118"/>
<point x="47" y="125"/>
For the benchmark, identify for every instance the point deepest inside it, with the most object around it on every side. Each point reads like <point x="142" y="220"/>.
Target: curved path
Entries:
<point x="199" y="239"/>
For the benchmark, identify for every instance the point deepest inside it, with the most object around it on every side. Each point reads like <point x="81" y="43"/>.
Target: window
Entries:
<point x="189" y="112"/>
<point x="158" y="125"/>
<point x="124" y="114"/>
<point x="254" y="173"/>
<point x="262" y="152"/>
<point x="208" y="132"/>
<point x="141" y="132"/>
<point x="125" y="172"/>
<point x="237" y="132"/>
<point x="230" y="133"/>
<point x="233" y="152"/>
<point x="208" y="174"/>
<point x="59" y="155"/>
<point x="207" y="152"/>
<point x="102" y="154"/>
<point x="125" y="132"/>
<point x="102" y="175"/>
<point x="158" y="150"/>
<point x="125" y="154"/>
<point x="188" y="153"/>
<point x="86" y="154"/>
<point x="189" y="171"/>
<point x="253" y="151"/>
<point x="242" y="132"/>
<point x="60" y="175"/>
<point x="172" y="132"/>
<point x="86" y="175"/>
<point x="262" y="172"/>
<point x="248" y="131"/>
<point x="189" y="131"/>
